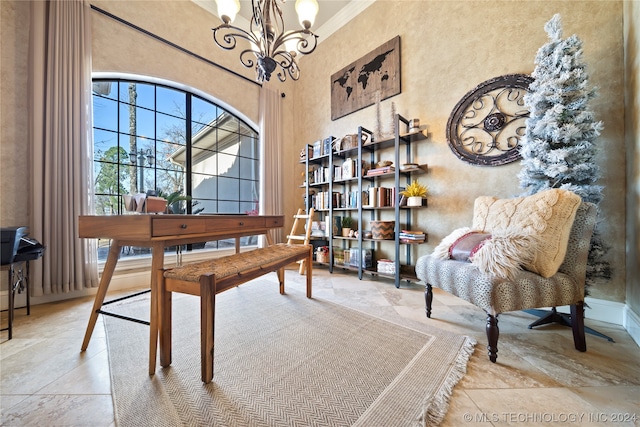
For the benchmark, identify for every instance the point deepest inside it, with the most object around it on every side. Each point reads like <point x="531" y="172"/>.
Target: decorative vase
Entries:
<point x="414" y="201"/>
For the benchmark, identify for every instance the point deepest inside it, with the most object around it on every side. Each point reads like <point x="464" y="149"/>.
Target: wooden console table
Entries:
<point x="159" y="232"/>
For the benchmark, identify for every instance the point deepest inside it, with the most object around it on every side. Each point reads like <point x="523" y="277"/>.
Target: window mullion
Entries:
<point x="189" y="150"/>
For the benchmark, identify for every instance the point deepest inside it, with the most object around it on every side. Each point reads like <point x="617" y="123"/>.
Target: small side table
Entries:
<point x="18" y="282"/>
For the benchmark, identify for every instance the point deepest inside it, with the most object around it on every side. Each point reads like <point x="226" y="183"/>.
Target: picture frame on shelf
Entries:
<point x="347" y="168"/>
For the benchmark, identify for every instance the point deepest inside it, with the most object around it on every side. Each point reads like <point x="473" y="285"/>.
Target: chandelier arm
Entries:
<point x="256" y="24"/>
<point x="225" y="36"/>
<point x="284" y="59"/>
<point x="304" y="45"/>
<point x="279" y="18"/>
<point x="287" y="62"/>
<point x="294" y="71"/>
<point x="247" y="58"/>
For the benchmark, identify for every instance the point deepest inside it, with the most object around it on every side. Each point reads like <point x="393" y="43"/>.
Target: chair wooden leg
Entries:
<point x="207" y="325"/>
<point x="280" y="273"/>
<point x="492" y="336"/>
<point x="577" y="325"/>
<point x="428" y="299"/>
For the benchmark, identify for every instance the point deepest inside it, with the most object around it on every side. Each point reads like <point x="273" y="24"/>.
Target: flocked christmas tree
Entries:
<point x="558" y="150"/>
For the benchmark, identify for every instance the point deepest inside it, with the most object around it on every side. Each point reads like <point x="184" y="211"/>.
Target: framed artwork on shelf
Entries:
<point x="347" y="169"/>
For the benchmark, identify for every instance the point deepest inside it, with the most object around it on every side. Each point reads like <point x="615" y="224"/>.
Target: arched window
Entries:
<point x="156" y="139"/>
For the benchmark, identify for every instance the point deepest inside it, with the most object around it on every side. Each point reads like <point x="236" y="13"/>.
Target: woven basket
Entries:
<point x="382" y="229"/>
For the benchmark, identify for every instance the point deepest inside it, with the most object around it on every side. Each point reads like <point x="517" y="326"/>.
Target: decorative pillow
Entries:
<point x="547" y="216"/>
<point x="500" y="255"/>
<point x="442" y="250"/>
<point x="466" y="246"/>
<point x="503" y="254"/>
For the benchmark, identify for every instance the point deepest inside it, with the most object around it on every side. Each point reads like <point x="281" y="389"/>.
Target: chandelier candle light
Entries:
<point x="271" y="45"/>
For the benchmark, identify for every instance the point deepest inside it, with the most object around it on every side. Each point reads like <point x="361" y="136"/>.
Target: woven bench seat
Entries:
<point x="208" y="278"/>
<point x="244" y="263"/>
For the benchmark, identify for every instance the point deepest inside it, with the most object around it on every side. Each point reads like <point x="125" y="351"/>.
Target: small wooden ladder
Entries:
<point x="295" y="237"/>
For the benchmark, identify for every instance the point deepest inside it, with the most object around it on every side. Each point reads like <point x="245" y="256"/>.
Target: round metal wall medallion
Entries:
<point x="486" y="125"/>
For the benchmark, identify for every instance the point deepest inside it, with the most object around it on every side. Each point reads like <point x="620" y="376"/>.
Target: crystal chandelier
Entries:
<point x="270" y="44"/>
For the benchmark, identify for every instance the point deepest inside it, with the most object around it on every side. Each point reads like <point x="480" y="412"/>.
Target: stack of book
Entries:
<point x="409" y="236"/>
<point x="378" y="197"/>
<point x="380" y="171"/>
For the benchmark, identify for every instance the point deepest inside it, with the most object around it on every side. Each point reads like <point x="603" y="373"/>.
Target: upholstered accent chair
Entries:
<point x="524" y="289"/>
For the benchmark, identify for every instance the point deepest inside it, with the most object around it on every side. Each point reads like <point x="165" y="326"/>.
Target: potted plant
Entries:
<point x="414" y="193"/>
<point x="347" y="224"/>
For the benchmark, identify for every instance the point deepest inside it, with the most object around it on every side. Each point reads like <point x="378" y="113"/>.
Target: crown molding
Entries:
<point x="342" y="18"/>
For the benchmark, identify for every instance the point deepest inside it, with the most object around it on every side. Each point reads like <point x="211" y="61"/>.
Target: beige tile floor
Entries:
<point x="539" y="379"/>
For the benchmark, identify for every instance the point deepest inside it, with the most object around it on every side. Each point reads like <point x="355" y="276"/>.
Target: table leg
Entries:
<point x="11" y="298"/>
<point x="309" y="266"/>
<point x="26" y="285"/>
<point x="107" y="273"/>
<point x="157" y="263"/>
<point x="164" y="322"/>
<point x="267" y="235"/>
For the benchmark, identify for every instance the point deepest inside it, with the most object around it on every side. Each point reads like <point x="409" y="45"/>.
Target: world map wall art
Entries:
<point x="375" y="76"/>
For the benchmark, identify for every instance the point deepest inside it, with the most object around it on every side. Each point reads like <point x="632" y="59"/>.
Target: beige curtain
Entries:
<point x="61" y="144"/>
<point x="271" y="155"/>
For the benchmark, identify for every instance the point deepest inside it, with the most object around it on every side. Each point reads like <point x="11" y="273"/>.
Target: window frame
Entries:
<point x="136" y="261"/>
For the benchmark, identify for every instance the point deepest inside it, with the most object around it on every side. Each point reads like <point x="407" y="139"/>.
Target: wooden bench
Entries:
<point x="208" y="278"/>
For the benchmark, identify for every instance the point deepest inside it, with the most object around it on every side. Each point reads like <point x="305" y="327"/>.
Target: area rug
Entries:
<point x="284" y="360"/>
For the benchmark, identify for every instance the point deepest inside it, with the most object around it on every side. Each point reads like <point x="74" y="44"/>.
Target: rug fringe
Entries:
<point x="436" y="406"/>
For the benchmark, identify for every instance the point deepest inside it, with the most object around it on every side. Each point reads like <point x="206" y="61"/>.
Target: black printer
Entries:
<point x="17" y="246"/>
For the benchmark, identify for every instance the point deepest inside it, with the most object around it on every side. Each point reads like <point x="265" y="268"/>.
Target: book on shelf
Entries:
<point x="317" y="148"/>
<point x="327" y="146"/>
<point x="321" y="174"/>
<point x="373" y="197"/>
<point x="337" y="173"/>
<point x="383" y="196"/>
<point x="320" y="201"/>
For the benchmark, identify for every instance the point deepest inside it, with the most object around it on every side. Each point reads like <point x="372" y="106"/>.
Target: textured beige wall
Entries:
<point x="448" y="47"/>
<point x="632" y="132"/>
<point x="14" y="154"/>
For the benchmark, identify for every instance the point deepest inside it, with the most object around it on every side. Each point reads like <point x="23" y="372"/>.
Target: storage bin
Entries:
<point x="386" y="266"/>
<point x="338" y="256"/>
<point x="382" y="229"/>
<point x="322" y="254"/>
<point x="366" y="255"/>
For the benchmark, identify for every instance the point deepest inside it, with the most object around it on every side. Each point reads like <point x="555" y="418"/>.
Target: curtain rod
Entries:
<point x="167" y="42"/>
